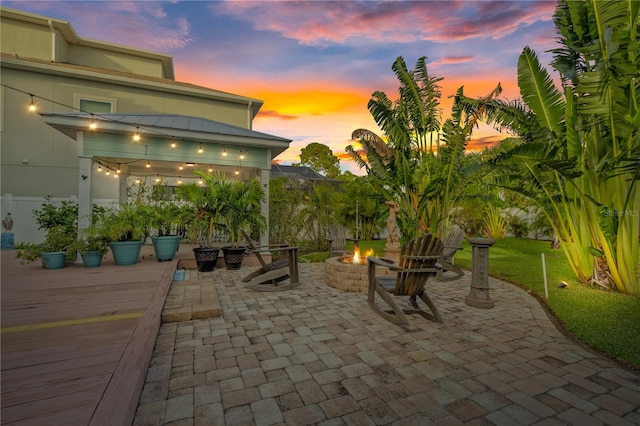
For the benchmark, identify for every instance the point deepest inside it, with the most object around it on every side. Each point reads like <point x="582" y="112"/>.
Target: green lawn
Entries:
<point x="604" y="320"/>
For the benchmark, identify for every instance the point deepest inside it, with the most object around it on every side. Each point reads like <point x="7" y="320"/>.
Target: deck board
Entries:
<point x="76" y="342"/>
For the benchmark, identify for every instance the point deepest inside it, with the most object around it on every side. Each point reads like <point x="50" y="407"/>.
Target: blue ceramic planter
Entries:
<point x="125" y="252"/>
<point x="91" y="259"/>
<point x="54" y="259"/>
<point x="165" y="246"/>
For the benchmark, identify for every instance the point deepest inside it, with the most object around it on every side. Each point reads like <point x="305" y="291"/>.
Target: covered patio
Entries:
<point x="162" y="149"/>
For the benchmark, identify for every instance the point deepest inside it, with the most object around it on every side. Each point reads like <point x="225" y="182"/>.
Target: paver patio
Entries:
<point x="317" y="355"/>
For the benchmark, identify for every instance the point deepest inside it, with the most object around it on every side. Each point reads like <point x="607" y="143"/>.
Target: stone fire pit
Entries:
<point x="349" y="276"/>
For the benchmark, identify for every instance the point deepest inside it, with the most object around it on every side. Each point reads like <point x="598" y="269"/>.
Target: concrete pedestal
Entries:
<point x="479" y="293"/>
<point x="392" y="253"/>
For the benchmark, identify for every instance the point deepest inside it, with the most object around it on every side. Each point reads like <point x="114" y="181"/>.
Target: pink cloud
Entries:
<point x="326" y="22"/>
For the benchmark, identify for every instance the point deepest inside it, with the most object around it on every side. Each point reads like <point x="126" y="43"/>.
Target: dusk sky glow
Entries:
<point x="316" y="63"/>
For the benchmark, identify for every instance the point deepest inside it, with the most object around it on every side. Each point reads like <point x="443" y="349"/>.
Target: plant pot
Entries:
<point x="233" y="256"/>
<point x="54" y="259"/>
<point x="125" y="252"/>
<point x="165" y="246"/>
<point x="91" y="259"/>
<point x="206" y="258"/>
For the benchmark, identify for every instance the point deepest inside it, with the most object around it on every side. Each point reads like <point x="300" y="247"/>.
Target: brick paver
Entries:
<point x="318" y="355"/>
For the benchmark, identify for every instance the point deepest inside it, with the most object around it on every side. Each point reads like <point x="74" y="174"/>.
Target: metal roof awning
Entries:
<point x="166" y="126"/>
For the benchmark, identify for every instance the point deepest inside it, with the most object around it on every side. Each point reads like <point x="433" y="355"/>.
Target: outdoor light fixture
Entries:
<point x="136" y="136"/>
<point x="100" y="167"/>
<point x="157" y="179"/>
<point x="148" y="165"/>
<point x="210" y="168"/>
<point x="224" y="152"/>
<point x="200" y="150"/>
<point x="180" y="166"/>
<point x="92" y="124"/>
<point x="108" y="172"/>
<point x="32" y="105"/>
<point x="179" y="181"/>
<point x="242" y="155"/>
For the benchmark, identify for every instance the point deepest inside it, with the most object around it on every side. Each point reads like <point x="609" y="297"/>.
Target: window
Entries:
<point x="90" y="105"/>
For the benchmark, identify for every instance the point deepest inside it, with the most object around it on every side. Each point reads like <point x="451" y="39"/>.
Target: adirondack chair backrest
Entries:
<point x="254" y="249"/>
<point x="452" y="242"/>
<point x="338" y="237"/>
<point x="417" y="260"/>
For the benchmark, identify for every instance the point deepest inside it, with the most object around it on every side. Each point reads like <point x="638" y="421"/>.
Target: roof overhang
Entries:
<point x="167" y="126"/>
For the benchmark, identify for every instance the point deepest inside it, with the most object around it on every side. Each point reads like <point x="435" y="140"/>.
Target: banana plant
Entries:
<point x="580" y="144"/>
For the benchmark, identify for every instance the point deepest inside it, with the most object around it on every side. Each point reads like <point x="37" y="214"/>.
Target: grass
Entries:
<point x="606" y="321"/>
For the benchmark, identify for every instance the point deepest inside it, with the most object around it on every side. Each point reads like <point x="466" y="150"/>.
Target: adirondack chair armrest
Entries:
<point x="270" y="248"/>
<point x="383" y="262"/>
<point x="453" y="247"/>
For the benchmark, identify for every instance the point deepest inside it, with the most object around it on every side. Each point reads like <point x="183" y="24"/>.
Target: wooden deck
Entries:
<point x="76" y="342"/>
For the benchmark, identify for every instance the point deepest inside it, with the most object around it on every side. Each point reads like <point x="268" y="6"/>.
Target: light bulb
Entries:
<point x="237" y="171"/>
<point x="180" y="167"/>
<point x="173" y="144"/>
<point x="92" y="124"/>
<point x="200" y="182"/>
<point x="32" y="104"/>
<point x="179" y="181"/>
<point x="224" y="153"/>
<point x="136" y="136"/>
<point x="148" y="165"/>
<point x="241" y="155"/>
<point x="108" y="172"/>
<point x="158" y="179"/>
<point x="200" y="150"/>
<point x="210" y="168"/>
<point x="100" y="167"/>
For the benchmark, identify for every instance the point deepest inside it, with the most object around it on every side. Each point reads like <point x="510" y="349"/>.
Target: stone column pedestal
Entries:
<point x="392" y="253"/>
<point x="479" y="293"/>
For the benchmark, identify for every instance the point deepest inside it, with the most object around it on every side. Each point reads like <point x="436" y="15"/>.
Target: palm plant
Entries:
<point x="579" y="155"/>
<point x="425" y="186"/>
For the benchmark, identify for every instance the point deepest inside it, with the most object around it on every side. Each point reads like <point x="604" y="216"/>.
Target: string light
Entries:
<point x="224" y="152"/>
<point x="179" y="180"/>
<point x="173" y="144"/>
<point x="32" y="104"/>
<point x="200" y="182"/>
<point x="237" y="171"/>
<point x="108" y="172"/>
<point x="99" y="167"/>
<point x="118" y="169"/>
<point x="136" y="136"/>
<point x="200" y="150"/>
<point x="92" y="124"/>
<point x="210" y="168"/>
<point x="157" y="178"/>
<point x="242" y="155"/>
<point x="148" y="165"/>
<point x="138" y="181"/>
<point x="180" y="167"/>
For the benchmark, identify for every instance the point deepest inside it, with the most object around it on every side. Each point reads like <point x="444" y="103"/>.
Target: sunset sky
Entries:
<point x="316" y="63"/>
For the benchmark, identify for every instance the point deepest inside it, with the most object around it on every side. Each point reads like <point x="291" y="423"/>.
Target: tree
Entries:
<point x="581" y="149"/>
<point x="405" y="168"/>
<point x="321" y="159"/>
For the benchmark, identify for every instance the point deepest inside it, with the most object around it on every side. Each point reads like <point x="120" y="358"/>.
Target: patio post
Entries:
<point x="479" y="292"/>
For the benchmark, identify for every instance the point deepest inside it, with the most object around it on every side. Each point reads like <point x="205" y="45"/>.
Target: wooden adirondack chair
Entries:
<point x="270" y="276"/>
<point x="418" y="262"/>
<point x="452" y="242"/>
<point x="337" y="237"/>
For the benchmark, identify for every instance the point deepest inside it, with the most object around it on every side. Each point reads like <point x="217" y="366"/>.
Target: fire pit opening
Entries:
<point x="349" y="272"/>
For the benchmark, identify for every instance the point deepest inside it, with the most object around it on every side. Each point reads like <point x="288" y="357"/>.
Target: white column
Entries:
<point x="85" y="165"/>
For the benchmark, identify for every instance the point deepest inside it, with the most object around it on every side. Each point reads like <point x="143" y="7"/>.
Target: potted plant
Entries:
<point x="206" y="206"/>
<point x="243" y="211"/>
<point x="166" y="218"/>
<point x="60" y="225"/>
<point x="126" y="228"/>
<point x="52" y="251"/>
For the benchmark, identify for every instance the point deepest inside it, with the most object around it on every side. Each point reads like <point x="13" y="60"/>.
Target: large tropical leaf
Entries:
<point x="539" y="92"/>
